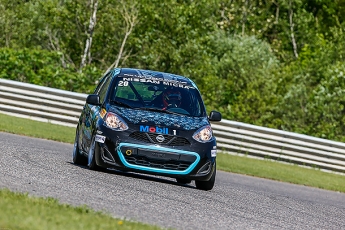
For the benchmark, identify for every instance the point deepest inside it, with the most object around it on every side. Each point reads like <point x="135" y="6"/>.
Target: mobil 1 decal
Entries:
<point x="157" y="129"/>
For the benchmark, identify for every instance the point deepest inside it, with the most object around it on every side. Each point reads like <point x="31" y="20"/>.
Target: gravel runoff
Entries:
<point x="44" y="168"/>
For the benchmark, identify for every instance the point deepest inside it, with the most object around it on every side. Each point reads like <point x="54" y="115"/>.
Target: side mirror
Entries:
<point x="215" y="116"/>
<point x="93" y="99"/>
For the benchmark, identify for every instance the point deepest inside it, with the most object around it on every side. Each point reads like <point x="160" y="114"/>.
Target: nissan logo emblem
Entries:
<point x="160" y="138"/>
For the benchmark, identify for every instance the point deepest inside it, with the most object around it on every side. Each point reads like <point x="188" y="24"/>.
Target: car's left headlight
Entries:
<point x="204" y="134"/>
<point x="115" y="122"/>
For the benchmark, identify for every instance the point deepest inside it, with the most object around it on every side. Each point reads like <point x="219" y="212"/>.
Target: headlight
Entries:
<point x="115" y="122"/>
<point x="204" y="134"/>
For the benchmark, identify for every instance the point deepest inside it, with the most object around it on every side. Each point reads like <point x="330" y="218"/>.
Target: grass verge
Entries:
<point x="38" y="129"/>
<point x="20" y="211"/>
<point x="281" y="172"/>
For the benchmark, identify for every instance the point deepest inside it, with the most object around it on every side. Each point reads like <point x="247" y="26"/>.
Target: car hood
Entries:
<point x="183" y="122"/>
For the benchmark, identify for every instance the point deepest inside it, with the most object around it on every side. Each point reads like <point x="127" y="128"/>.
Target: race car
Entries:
<point x="148" y="122"/>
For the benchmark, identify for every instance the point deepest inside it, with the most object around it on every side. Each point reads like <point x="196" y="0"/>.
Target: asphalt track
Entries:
<point x="44" y="168"/>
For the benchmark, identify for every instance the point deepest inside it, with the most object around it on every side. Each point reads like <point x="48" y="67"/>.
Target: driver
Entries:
<point x="171" y="98"/>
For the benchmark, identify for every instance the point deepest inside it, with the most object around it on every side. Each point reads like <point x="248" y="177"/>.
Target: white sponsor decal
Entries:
<point x="100" y="138"/>
<point x="153" y="80"/>
<point x="213" y="153"/>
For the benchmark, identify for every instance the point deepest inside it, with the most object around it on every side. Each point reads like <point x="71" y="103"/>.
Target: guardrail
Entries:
<point x="40" y="103"/>
<point x="64" y="107"/>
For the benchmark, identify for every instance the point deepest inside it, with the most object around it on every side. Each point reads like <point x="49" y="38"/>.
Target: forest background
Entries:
<point x="273" y="63"/>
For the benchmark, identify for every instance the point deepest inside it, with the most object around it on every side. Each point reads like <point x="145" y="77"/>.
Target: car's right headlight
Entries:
<point x="204" y="134"/>
<point x="115" y="122"/>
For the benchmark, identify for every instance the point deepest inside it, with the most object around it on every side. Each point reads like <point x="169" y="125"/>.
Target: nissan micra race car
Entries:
<point x="148" y="122"/>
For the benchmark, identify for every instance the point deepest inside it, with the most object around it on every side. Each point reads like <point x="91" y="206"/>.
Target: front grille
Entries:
<point x="168" y="139"/>
<point x="152" y="163"/>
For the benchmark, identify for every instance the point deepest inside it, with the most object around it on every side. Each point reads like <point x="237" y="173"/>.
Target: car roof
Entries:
<point x="156" y="74"/>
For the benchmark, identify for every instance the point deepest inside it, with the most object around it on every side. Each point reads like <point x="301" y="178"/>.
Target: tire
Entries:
<point x="183" y="181"/>
<point x="206" y="185"/>
<point x="91" y="161"/>
<point x="77" y="157"/>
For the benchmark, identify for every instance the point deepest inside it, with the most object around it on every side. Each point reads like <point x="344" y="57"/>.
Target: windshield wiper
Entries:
<point x="122" y="104"/>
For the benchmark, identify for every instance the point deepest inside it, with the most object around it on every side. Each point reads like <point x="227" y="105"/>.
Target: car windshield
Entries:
<point x="158" y="95"/>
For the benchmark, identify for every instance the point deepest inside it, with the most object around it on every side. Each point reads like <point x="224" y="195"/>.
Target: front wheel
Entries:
<point x="206" y="185"/>
<point x="77" y="157"/>
<point x="91" y="161"/>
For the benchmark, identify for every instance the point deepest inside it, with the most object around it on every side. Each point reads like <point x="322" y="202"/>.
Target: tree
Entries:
<point x="235" y="75"/>
<point x="130" y="15"/>
<point x="88" y="43"/>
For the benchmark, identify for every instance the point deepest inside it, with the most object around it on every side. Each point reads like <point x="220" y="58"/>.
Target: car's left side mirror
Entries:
<point x="93" y="99"/>
<point x="215" y="116"/>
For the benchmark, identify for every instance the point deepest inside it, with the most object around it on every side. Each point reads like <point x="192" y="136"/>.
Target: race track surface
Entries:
<point x="44" y="168"/>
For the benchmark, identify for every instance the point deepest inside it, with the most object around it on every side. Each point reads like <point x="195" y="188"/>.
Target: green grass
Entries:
<point x="281" y="172"/>
<point x="38" y="129"/>
<point x="20" y="211"/>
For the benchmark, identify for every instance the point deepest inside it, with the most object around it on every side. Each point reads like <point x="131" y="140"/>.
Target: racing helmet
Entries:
<point x="172" y="98"/>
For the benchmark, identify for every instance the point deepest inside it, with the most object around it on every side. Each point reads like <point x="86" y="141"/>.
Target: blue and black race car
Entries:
<point x="148" y="122"/>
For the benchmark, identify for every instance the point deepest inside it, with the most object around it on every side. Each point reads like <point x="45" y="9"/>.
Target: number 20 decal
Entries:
<point x="123" y="83"/>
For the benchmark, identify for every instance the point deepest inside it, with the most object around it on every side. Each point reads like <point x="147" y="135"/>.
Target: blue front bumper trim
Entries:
<point x="158" y="148"/>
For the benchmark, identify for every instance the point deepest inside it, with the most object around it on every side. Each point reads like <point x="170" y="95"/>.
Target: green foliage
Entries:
<point x="270" y="21"/>
<point x="236" y="76"/>
<point x="315" y="107"/>
<point x="311" y="99"/>
<point x="270" y="63"/>
<point x="43" y="67"/>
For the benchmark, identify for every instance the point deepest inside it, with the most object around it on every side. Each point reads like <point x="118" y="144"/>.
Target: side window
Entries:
<point x="104" y="88"/>
<point x="100" y="84"/>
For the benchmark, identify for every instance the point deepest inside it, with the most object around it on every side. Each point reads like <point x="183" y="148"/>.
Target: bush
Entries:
<point x="42" y="67"/>
<point x="235" y="76"/>
<point x="311" y="93"/>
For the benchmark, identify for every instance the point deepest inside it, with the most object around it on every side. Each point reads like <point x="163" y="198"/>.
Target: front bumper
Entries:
<point x="126" y="154"/>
